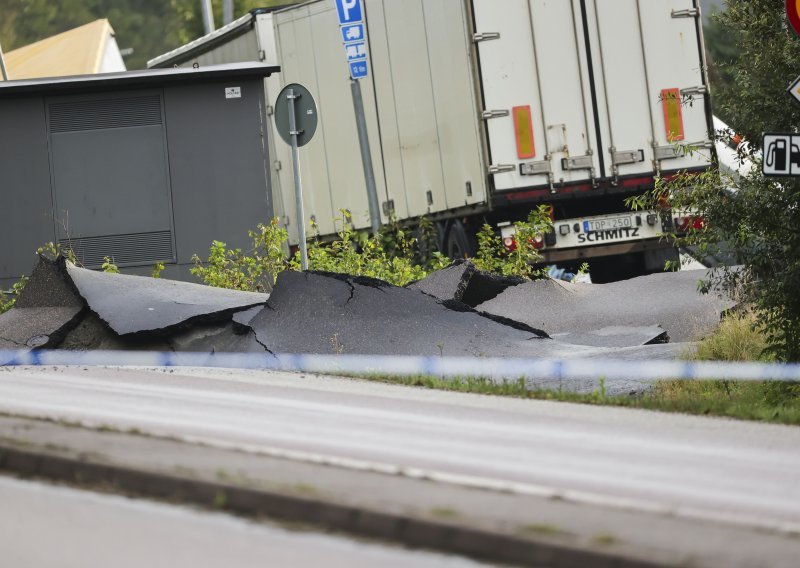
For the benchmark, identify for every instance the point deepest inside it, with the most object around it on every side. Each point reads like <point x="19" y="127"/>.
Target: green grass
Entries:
<point x="768" y="402"/>
<point x="738" y="338"/>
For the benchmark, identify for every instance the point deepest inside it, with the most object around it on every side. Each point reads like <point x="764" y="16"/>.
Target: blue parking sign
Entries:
<point x="349" y="11"/>
<point x="358" y="69"/>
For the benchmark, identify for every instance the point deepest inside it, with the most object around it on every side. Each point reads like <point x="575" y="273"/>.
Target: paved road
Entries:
<point x="693" y="466"/>
<point x="43" y="526"/>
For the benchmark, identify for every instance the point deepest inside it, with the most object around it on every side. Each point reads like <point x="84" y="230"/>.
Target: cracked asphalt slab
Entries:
<point x="45" y="310"/>
<point x="616" y="336"/>
<point x="152" y="304"/>
<point x="667" y="299"/>
<point x="448" y="313"/>
<point x="326" y="313"/>
<point x="464" y="283"/>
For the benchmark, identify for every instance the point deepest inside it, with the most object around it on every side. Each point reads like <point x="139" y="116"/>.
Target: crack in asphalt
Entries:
<point x="352" y="291"/>
<point x="3" y="338"/>
<point x="261" y="343"/>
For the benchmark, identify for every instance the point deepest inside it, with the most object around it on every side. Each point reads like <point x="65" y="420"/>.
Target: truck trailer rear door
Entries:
<point x="647" y="65"/>
<point x="537" y="92"/>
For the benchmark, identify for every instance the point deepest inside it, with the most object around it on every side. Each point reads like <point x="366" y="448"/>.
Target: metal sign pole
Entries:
<point x="227" y="12"/>
<point x="298" y="189"/>
<point x="208" y="16"/>
<point x="366" y="157"/>
<point x="3" y="65"/>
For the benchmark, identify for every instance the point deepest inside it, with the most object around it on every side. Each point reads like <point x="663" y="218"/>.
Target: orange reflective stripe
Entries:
<point x="523" y="128"/>
<point x="673" y="116"/>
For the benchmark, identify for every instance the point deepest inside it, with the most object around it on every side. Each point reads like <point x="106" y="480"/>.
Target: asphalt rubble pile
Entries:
<point x="457" y="311"/>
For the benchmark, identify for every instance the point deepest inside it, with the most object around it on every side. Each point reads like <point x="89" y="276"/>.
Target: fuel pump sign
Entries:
<point x="781" y="155"/>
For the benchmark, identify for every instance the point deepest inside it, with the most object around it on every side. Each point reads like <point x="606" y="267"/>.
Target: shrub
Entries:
<point x="394" y="255"/>
<point x="7" y="301"/>
<point x="494" y="257"/>
<point x="739" y="337"/>
<point x="255" y="271"/>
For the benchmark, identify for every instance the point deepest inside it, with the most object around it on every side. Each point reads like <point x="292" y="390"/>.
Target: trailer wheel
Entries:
<point x="460" y="242"/>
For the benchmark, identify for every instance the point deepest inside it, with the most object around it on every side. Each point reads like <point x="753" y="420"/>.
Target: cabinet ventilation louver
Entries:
<point x="123" y="250"/>
<point x="106" y="113"/>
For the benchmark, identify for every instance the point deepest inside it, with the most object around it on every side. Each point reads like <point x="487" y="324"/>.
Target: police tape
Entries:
<point x="501" y="369"/>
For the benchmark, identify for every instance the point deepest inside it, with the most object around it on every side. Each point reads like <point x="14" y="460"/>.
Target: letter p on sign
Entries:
<point x="349" y="11"/>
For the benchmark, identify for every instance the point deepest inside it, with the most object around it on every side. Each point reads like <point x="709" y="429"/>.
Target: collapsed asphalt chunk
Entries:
<point x="137" y="304"/>
<point x="333" y="313"/>
<point x="222" y="337"/>
<point x="447" y="283"/>
<point x="463" y="282"/>
<point x="46" y="309"/>
<point x="616" y="336"/>
<point x="668" y="299"/>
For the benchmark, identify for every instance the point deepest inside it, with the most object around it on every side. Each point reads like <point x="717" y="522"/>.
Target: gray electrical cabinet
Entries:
<point x="140" y="167"/>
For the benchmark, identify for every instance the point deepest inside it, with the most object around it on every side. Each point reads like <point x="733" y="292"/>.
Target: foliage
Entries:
<point x="739" y="337"/>
<point x="6" y="302"/>
<point x="150" y="27"/>
<point x="768" y="402"/>
<point x="393" y="255"/>
<point x="765" y="63"/>
<point x="254" y="271"/>
<point x="750" y="220"/>
<point x="388" y="256"/>
<point x="494" y="257"/>
<point x="54" y="250"/>
<point x="108" y="266"/>
<point x="158" y="268"/>
<point x="722" y="50"/>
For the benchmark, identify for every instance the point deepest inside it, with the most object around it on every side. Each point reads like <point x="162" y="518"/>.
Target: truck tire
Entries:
<point x="460" y="243"/>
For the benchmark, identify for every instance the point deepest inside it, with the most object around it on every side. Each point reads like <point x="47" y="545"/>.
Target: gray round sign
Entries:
<point x="305" y="112"/>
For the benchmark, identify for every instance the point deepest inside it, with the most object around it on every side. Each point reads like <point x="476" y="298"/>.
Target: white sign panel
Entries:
<point x="233" y="92"/>
<point x="794" y="89"/>
<point x="356" y="51"/>
<point x="781" y="155"/>
<point x="353" y="32"/>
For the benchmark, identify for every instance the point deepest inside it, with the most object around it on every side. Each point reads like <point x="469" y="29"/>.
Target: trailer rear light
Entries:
<point x="510" y="243"/>
<point x="673" y="115"/>
<point x="683" y="224"/>
<point x="523" y="130"/>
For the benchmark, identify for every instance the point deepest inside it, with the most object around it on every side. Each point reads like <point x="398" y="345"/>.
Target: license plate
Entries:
<point x="605" y="224"/>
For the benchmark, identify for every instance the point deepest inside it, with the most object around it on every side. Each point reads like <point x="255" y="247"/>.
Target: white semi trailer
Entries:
<point x="479" y="110"/>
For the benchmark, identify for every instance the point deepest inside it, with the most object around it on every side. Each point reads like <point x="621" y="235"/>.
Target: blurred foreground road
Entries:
<point x="45" y="526"/>
<point x="695" y="467"/>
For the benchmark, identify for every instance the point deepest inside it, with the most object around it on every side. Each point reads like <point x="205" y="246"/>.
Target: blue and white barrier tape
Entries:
<point x="495" y="368"/>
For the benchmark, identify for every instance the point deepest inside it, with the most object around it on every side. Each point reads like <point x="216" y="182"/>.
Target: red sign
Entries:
<point x="793" y="12"/>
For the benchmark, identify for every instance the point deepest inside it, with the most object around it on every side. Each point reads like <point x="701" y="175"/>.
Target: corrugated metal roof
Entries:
<point x="136" y="79"/>
<point x="78" y="51"/>
<point x="235" y="27"/>
<point x="202" y="44"/>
